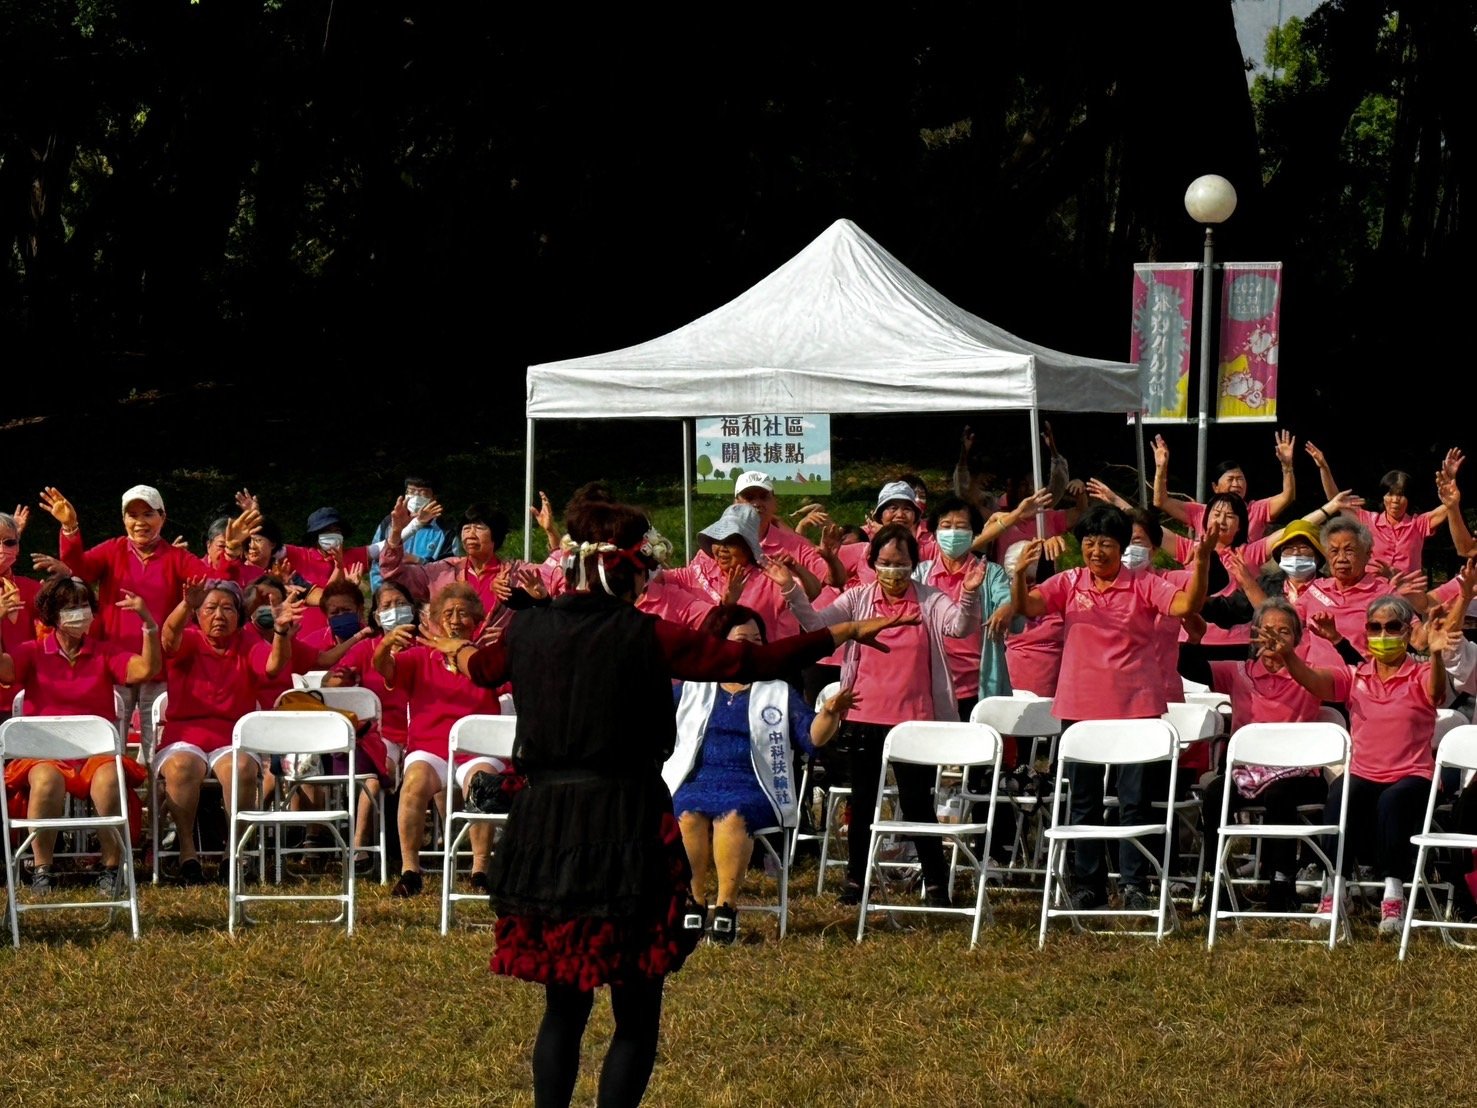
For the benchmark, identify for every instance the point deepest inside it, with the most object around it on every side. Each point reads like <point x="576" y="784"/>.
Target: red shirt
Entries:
<point x="158" y="578"/>
<point x="357" y="668"/>
<point x="55" y="686"/>
<point x="209" y="690"/>
<point x="18" y="628"/>
<point x="437" y="698"/>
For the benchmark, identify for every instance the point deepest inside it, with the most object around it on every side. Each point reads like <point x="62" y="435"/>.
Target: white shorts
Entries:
<point x="464" y="771"/>
<point x="220" y="754"/>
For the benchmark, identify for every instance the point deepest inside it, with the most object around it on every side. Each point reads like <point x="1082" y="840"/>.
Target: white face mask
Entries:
<point x="330" y="540"/>
<point x="401" y="615"/>
<point x="1299" y="567"/>
<point x="75" y="620"/>
<point x="416" y="503"/>
<point x="1137" y="557"/>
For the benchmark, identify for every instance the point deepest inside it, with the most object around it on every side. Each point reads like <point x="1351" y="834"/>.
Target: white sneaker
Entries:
<point x="1325" y="906"/>
<point x="1392" y="915"/>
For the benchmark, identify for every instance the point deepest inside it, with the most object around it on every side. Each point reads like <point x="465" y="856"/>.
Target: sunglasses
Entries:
<point x="1393" y="626"/>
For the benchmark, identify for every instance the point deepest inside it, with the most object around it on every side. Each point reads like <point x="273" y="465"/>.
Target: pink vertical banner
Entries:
<point x="1251" y="311"/>
<point x="1163" y="304"/>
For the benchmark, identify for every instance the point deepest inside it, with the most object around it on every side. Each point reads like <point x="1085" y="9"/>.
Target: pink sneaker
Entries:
<point x="1325" y="906"/>
<point x="1392" y="915"/>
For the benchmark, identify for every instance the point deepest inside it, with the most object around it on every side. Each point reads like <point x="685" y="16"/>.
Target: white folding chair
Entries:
<point x="313" y="679"/>
<point x="63" y="738"/>
<point x="1458" y="750"/>
<point x="487" y="737"/>
<point x="1308" y="745"/>
<point x="834" y="797"/>
<point x="1023" y="717"/>
<point x="928" y="743"/>
<point x="268" y="733"/>
<point x="766" y="837"/>
<point x="366" y="707"/>
<point x="1109" y="742"/>
<point x="1195" y="721"/>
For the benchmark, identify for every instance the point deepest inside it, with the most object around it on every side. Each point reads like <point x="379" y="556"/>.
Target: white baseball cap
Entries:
<point x="147" y="493"/>
<point x="753" y="479"/>
<point x="896" y="492"/>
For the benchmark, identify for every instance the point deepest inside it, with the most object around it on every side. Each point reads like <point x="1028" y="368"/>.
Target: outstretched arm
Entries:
<point x="1284" y="443"/>
<point x="1167" y="504"/>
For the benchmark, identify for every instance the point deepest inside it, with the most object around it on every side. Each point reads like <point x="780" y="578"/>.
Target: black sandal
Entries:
<point x="410" y="884"/>
<point x="725" y="925"/>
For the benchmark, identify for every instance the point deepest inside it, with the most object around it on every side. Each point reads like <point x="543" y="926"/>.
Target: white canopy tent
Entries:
<point x="843" y="327"/>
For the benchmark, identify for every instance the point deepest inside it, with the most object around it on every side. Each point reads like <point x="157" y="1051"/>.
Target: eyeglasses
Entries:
<point x="1393" y="626"/>
<point x="10" y="542"/>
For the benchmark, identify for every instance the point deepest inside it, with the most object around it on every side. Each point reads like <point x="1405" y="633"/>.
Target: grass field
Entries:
<point x="288" y="1014"/>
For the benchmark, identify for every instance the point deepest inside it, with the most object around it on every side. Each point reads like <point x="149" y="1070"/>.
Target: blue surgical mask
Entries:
<point x="1299" y="567"/>
<point x="345" y="625"/>
<point x="263" y="617"/>
<point x="1137" y="557"/>
<point x="955" y="542"/>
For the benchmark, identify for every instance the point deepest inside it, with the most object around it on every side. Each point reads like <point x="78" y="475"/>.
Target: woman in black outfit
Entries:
<point x="590" y="881"/>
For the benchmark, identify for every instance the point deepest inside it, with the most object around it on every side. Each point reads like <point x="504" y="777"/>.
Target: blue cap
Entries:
<point x="324" y="519"/>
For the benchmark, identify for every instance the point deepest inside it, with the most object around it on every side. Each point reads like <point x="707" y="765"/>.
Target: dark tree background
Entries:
<point x="310" y="193"/>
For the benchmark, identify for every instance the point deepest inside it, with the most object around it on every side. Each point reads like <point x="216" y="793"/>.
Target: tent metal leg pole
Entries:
<point x="528" y="497"/>
<point x="1138" y="438"/>
<point x="1036" y="466"/>
<point x="687" y="437"/>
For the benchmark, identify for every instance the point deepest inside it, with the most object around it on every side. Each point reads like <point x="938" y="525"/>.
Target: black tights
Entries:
<point x="627" y="1068"/>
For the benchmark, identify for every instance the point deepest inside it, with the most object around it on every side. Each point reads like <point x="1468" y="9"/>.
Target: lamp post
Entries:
<point x="1209" y="200"/>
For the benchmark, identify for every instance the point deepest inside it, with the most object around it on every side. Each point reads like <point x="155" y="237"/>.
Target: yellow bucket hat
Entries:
<point x="1298" y="529"/>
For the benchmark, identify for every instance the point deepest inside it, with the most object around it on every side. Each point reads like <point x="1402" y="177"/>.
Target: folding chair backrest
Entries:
<point x="1193" y="686"/>
<point x="1017" y="715"/>
<point x="350" y="698"/>
<point x="489" y="735"/>
<point x="1331" y="715"/>
<point x="826" y="693"/>
<point x="1289" y="744"/>
<point x="1193" y="721"/>
<point x="1458" y="748"/>
<point x="932" y="743"/>
<point x="1119" y="741"/>
<point x="1447" y="719"/>
<point x="313" y="679"/>
<point x="294" y="733"/>
<point x="1207" y="698"/>
<point x="59" y="737"/>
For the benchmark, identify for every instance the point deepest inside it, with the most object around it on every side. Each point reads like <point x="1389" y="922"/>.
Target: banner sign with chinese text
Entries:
<point x="793" y="449"/>
<point x="1163" y="304"/>
<point x="1251" y="310"/>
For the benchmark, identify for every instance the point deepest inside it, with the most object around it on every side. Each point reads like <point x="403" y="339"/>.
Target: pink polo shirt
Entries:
<point x="357" y="668"/>
<point x="1254" y="554"/>
<point x="1025" y="530"/>
<point x="779" y="540"/>
<point x="1108" y="646"/>
<point x="437" y="698"/>
<point x="158" y="577"/>
<point x="1391" y="721"/>
<point x="897" y="686"/>
<point x="1258" y="517"/>
<point x="1399" y="544"/>
<point x="1348" y="605"/>
<point x="17" y="628"/>
<point x="1034" y="655"/>
<point x="702" y="576"/>
<point x="210" y="690"/>
<point x="1259" y="696"/>
<point x="962" y="655"/>
<point x="668" y="600"/>
<point x="57" y="687"/>
<point x="1169" y="632"/>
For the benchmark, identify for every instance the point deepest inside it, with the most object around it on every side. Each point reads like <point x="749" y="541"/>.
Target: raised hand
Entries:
<point x="734" y="579"/>
<point x="1283" y="446"/>
<point x="1346" y="499"/>
<point x="1317" y="455"/>
<point x="966" y="440"/>
<point x="1040" y="500"/>
<point x="181" y="542"/>
<point x="399" y="520"/>
<point x="812" y="515"/>
<point x="1409" y="584"/>
<point x="1195" y="627"/>
<point x="532" y="583"/>
<point x="843" y="702"/>
<point x="1029" y="557"/>
<point x="502" y="582"/>
<point x="282" y="570"/>
<point x="1161" y="452"/>
<point x="974" y="576"/>
<point x="1452" y="462"/>
<point x="22" y="516"/>
<point x="491" y="633"/>
<point x="831" y="537"/>
<point x="288" y="614"/>
<point x="1273" y="643"/>
<point x="429" y="512"/>
<point x="134" y="603"/>
<point x="192" y="591"/>
<point x="398" y="638"/>
<point x="1467" y="575"/>
<point x="246" y="500"/>
<point x="45" y="563"/>
<point x="10" y="599"/>
<point x="1447" y="491"/>
<point x="1053" y="547"/>
<point x="1236" y="567"/>
<point x="355" y="574"/>
<point x="248" y="523"/>
<point x="779" y="573"/>
<point x="1321" y="624"/>
<point x="60" y="507"/>
<point x="543" y="515"/>
<point x="1099" y="491"/>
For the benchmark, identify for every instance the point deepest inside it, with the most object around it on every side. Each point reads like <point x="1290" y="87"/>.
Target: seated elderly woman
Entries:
<point x="437" y="695"/>
<point x="1392" y="701"/>
<point x="214" y="672"/>
<point x="1397" y="536"/>
<point x="71" y="673"/>
<point x="730" y="772"/>
<point x="1262" y="690"/>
